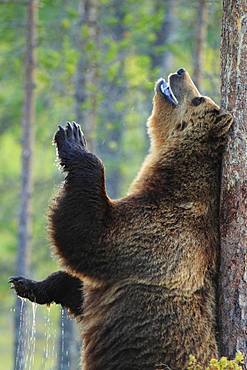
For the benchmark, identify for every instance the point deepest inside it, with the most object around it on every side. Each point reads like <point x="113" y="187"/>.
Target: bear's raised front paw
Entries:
<point x="23" y="287"/>
<point x="70" y="142"/>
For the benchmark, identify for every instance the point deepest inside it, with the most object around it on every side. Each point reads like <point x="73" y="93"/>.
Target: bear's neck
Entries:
<point x="177" y="176"/>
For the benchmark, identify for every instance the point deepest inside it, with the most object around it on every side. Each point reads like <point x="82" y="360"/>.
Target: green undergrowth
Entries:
<point x="222" y="364"/>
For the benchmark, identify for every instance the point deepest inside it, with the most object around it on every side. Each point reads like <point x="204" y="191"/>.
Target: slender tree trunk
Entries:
<point x="113" y="116"/>
<point x="168" y="29"/>
<point x="86" y="34"/>
<point x="24" y="239"/>
<point x="200" y="40"/>
<point x="65" y="360"/>
<point x="90" y="118"/>
<point x="80" y="76"/>
<point x="233" y="271"/>
<point x="164" y="36"/>
<point x="110" y="149"/>
<point x="86" y="75"/>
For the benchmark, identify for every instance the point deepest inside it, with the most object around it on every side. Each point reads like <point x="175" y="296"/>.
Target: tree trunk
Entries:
<point x="168" y="29"/>
<point x="164" y="36"/>
<point x="86" y="74"/>
<point x="86" y="114"/>
<point x="24" y="239"/>
<point x="233" y="270"/>
<point x="200" y="40"/>
<point x="65" y="361"/>
<point x="110" y="147"/>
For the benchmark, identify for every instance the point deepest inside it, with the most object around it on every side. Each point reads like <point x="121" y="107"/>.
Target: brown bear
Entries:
<point x="148" y="261"/>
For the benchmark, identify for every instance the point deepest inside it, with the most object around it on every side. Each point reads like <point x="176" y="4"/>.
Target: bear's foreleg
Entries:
<point x="79" y="213"/>
<point x="59" y="287"/>
<point x="82" y="216"/>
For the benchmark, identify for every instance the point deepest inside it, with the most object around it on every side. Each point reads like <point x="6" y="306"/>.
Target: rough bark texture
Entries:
<point x="233" y="279"/>
<point x="24" y="238"/>
<point x="200" y="35"/>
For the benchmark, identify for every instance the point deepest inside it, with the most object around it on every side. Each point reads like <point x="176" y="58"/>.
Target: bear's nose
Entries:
<point x="180" y="71"/>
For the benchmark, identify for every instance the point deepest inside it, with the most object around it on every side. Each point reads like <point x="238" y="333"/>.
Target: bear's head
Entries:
<point x="183" y="117"/>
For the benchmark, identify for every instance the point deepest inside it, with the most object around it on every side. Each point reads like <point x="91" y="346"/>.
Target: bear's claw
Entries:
<point x="71" y="133"/>
<point x="22" y="286"/>
<point x="70" y="142"/>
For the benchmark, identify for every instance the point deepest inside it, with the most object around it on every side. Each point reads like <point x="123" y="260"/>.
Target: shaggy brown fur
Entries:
<point x="148" y="261"/>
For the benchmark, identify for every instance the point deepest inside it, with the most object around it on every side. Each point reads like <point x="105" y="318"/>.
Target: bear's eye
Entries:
<point x="198" y="100"/>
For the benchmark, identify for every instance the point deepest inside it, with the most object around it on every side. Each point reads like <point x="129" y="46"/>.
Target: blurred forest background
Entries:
<point x="96" y="63"/>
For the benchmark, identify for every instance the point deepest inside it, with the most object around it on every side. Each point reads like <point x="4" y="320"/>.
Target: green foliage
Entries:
<point x="222" y="364"/>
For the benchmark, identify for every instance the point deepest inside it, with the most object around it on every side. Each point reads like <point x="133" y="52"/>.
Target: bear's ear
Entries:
<point x="222" y="124"/>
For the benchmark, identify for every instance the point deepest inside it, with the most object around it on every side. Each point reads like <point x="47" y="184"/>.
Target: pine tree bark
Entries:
<point x="233" y="270"/>
<point x="200" y="38"/>
<point x="24" y="238"/>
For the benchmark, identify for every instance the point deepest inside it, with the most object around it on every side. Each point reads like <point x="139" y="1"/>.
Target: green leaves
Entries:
<point x="222" y="364"/>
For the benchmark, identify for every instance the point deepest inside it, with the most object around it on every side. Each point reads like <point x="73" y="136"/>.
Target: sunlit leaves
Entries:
<point x="136" y="68"/>
<point x="222" y="364"/>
